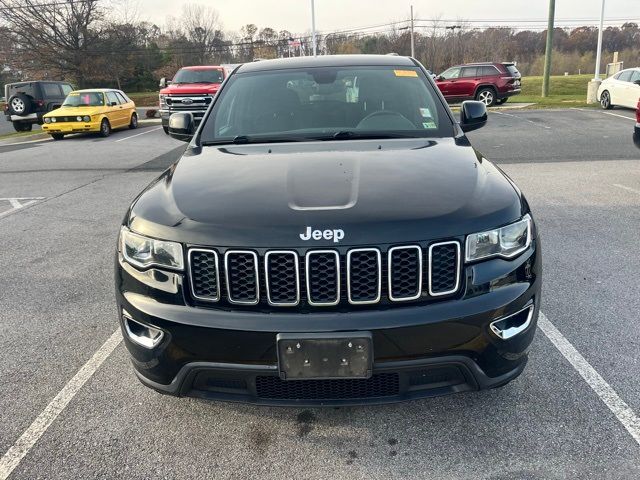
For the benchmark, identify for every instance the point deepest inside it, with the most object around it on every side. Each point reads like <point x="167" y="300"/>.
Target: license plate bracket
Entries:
<point x="326" y="356"/>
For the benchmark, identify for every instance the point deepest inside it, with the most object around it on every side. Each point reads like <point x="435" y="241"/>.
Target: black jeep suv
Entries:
<point x="27" y="102"/>
<point x="322" y="244"/>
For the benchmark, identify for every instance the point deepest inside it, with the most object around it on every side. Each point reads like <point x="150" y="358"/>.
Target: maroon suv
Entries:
<point x="490" y="83"/>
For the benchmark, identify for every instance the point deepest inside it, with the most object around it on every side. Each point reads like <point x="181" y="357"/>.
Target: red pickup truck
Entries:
<point x="191" y="90"/>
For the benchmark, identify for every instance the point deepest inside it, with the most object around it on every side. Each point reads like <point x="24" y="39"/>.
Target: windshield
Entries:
<point x="325" y="103"/>
<point x="198" y="76"/>
<point x="84" y="99"/>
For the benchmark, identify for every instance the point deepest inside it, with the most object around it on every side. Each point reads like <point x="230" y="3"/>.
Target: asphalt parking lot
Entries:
<point x="72" y="408"/>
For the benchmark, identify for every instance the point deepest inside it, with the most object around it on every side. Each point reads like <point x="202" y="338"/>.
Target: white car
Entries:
<point x="622" y="89"/>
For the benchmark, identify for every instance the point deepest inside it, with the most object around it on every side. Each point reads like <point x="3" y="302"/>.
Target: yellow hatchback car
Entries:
<point x="95" y="110"/>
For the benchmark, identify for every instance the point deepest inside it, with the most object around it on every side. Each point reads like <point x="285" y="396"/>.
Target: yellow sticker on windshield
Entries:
<point x="405" y="73"/>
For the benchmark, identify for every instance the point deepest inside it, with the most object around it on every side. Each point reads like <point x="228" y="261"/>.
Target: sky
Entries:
<point x="331" y="15"/>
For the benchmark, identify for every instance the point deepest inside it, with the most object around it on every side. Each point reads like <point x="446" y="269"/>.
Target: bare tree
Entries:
<point x="202" y="27"/>
<point x="51" y="36"/>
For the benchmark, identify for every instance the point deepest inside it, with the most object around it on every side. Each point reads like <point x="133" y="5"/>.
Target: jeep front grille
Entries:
<point x="325" y="278"/>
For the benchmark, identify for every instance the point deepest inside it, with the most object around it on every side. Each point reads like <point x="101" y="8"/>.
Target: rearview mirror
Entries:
<point x="182" y="126"/>
<point x="473" y="115"/>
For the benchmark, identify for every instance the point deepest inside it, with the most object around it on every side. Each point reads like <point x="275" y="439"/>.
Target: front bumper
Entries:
<point x="71" y="127"/>
<point x="419" y="350"/>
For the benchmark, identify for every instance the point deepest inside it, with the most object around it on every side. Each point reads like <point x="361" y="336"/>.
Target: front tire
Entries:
<point x="57" y="136"/>
<point x="105" y="128"/>
<point x="486" y="96"/>
<point x="605" y="100"/>
<point x="133" y="124"/>
<point x="166" y="129"/>
<point x="22" y="126"/>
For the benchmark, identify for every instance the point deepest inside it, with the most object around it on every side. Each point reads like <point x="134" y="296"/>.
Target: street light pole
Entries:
<point x="313" y="26"/>
<point x="599" y="52"/>
<point x="547" y="56"/>
<point x="413" y="45"/>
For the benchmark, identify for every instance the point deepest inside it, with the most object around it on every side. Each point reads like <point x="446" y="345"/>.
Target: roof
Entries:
<point x="97" y="90"/>
<point x="203" y="67"/>
<point x="327" y="61"/>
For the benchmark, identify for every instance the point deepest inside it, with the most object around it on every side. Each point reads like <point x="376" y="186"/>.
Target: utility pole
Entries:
<point x="547" y="56"/>
<point x="413" y="44"/>
<point x="594" y="85"/>
<point x="599" y="53"/>
<point x="313" y="27"/>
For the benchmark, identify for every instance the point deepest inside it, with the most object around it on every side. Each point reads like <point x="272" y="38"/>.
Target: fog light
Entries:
<point x="144" y="335"/>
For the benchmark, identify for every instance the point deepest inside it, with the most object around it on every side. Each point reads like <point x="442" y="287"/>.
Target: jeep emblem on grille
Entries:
<point x="336" y="234"/>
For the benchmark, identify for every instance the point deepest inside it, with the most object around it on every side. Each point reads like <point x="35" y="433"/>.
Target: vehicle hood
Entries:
<point x="75" y="111"/>
<point x="191" y="88"/>
<point x="377" y="192"/>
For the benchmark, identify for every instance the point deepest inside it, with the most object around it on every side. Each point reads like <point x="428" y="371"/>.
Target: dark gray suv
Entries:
<point x="27" y="102"/>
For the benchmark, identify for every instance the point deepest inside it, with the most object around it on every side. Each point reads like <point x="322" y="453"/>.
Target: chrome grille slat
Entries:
<point x="281" y="284"/>
<point x="440" y="268"/>
<point x="355" y="275"/>
<point x="242" y="291"/>
<point x="400" y="277"/>
<point x="203" y="265"/>
<point x="317" y="283"/>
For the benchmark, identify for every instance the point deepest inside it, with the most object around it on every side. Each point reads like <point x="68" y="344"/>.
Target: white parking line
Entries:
<point x="18" y="202"/>
<point x="12" y="458"/>
<point x="607" y="394"/>
<point x="618" y="115"/>
<point x="624" y="187"/>
<point x="138" y="134"/>
<point x="523" y="119"/>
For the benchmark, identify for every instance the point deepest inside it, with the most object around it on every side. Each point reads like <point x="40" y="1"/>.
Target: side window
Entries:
<point x="489" y="71"/>
<point x="121" y="98"/>
<point x="635" y="76"/>
<point x="470" y="72"/>
<point x="111" y="98"/>
<point x="451" y="73"/>
<point x="51" y="90"/>
<point x="625" y="76"/>
<point x="66" y="89"/>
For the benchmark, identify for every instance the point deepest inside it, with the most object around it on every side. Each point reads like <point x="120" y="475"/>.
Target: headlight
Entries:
<point x="506" y="242"/>
<point x="144" y="252"/>
<point x="47" y="120"/>
<point x="53" y="120"/>
<point x="79" y="119"/>
<point x="162" y="99"/>
<point x="86" y="118"/>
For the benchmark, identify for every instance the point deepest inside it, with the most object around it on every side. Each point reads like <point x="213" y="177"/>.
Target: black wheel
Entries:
<point x="57" y="136"/>
<point x="105" y="128"/>
<point x="486" y="96"/>
<point x="134" y="121"/>
<point x="19" y="104"/>
<point x="22" y="126"/>
<point x="166" y="129"/>
<point x="605" y="100"/>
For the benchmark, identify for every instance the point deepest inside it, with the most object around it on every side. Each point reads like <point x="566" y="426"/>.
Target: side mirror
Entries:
<point x="163" y="82"/>
<point x="637" y="82"/>
<point x="473" y="115"/>
<point x="182" y="126"/>
<point x="113" y="104"/>
<point x="438" y="78"/>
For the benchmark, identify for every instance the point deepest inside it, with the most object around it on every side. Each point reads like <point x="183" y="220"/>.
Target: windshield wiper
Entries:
<point x="246" y="139"/>
<point x="352" y="135"/>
